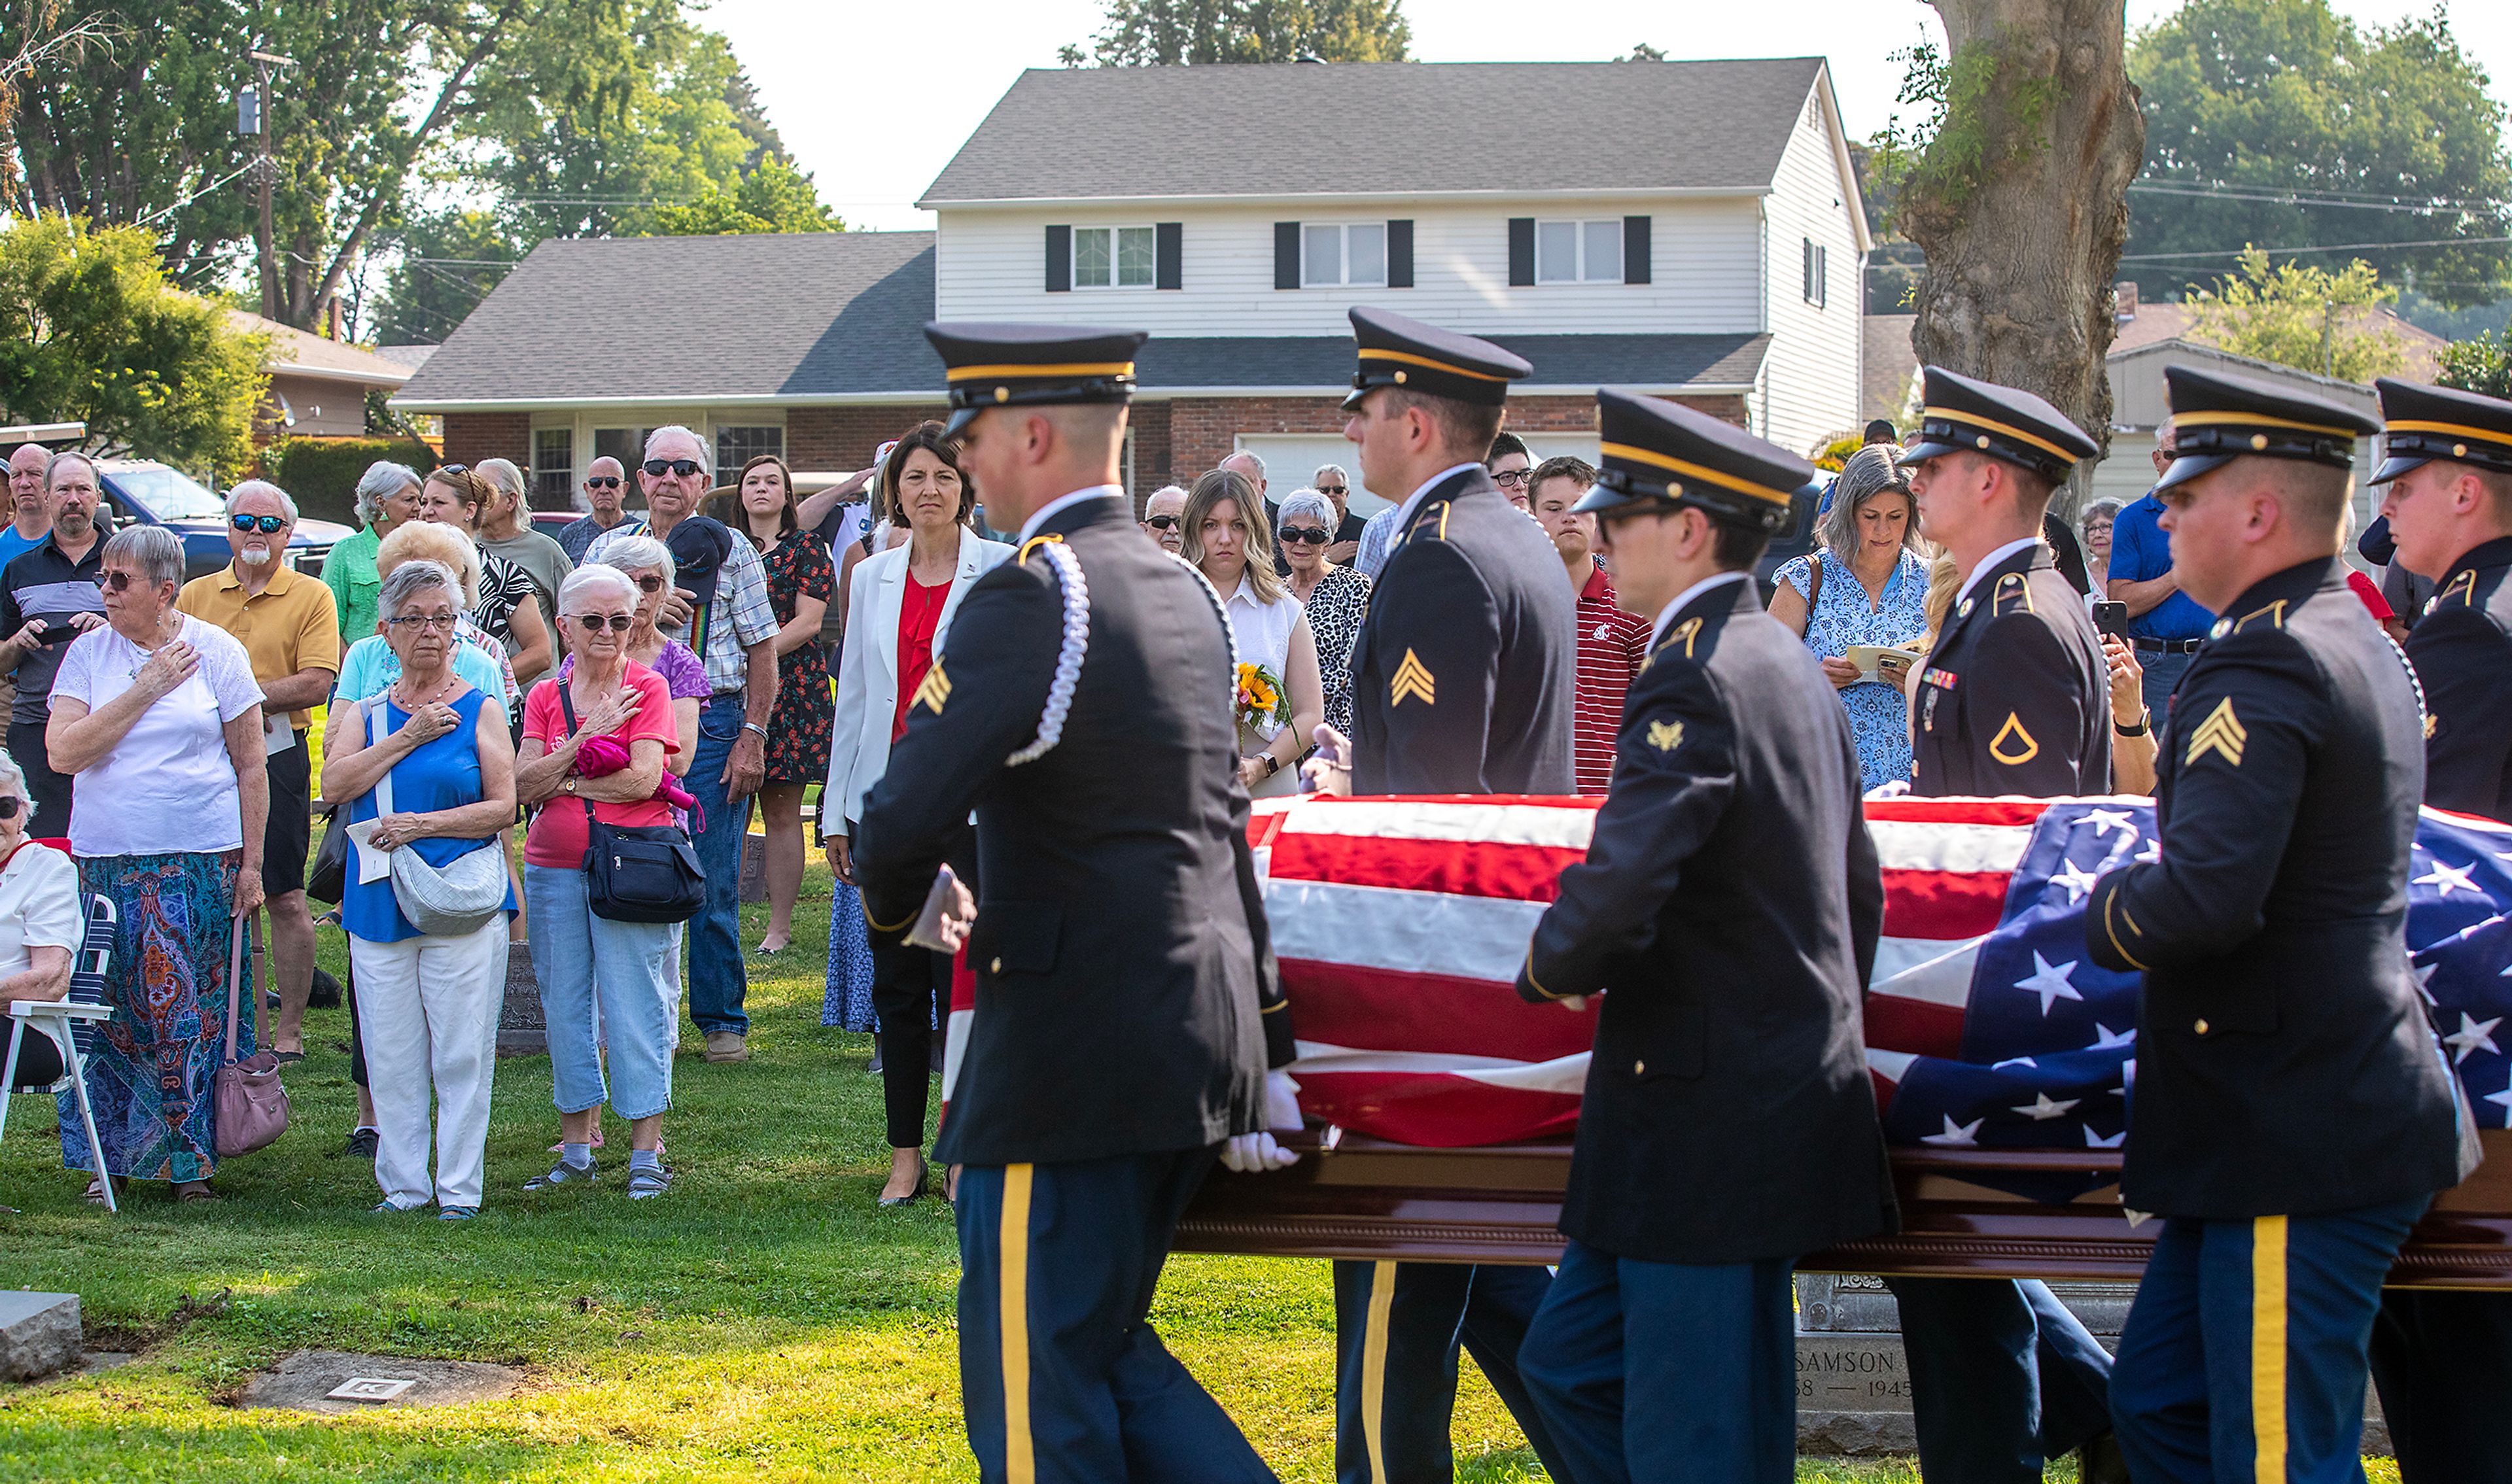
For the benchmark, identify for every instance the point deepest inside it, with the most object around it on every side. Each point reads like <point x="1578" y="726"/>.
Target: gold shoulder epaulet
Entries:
<point x="2014" y="594"/>
<point x="1685" y="632"/>
<point x="1034" y="543"/>
<point x="2273" y="613"/>
<point x="2462" y="587"/>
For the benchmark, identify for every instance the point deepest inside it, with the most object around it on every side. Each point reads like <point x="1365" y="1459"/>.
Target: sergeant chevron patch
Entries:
<point x="935" y="690"/>
<point x="1413" y="678"/>
<point x="2221" y="732"/>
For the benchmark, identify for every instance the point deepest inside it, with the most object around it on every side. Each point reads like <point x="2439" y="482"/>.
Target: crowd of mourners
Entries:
<point x="666" y="670"/>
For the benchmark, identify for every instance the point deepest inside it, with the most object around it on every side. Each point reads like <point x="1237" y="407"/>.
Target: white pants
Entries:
<point x="427" y="1008"/>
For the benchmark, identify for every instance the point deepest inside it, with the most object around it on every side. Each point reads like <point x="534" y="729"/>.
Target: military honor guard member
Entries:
<point x="1464" y="678"/>
<point x="1731" y="901"/>
<point x="2292" y="1113"/>
<point x="2442" y="1361"/>
<point x="2014" y="698"/>
<point x="1128" y="1007"/>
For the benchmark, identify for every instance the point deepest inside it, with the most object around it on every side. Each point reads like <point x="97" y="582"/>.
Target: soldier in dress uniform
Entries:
<point x="2442" y="1361"/>
<point x="1463" y="677"/>
<point x="1127" y="1002"/>
<point x="2014" y="698"/>
<point x="2292" y="1113"/>
<point x="1731" y="901"/>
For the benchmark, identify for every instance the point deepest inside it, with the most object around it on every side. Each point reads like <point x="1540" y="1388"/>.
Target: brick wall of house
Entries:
<point x="1202" y="431"/>
<point x="1153" y="462"/>
<point x="840" y="440"/>
<point x="470" y="437"/>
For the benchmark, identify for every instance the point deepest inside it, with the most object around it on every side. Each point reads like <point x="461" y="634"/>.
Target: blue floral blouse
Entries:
<point x="1879" y="717"/>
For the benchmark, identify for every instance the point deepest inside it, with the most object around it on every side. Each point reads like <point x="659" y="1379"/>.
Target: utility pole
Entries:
<point x="257" y="120"/>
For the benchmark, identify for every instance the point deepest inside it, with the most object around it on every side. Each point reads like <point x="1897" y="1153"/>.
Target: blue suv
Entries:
<point x="146" y="492"/>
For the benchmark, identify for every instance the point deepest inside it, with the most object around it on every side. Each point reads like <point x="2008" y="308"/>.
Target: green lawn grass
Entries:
<point x="764" y="1320"/>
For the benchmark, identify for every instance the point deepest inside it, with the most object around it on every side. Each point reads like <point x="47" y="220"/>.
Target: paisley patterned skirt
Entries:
<point x="153" y="1073"/>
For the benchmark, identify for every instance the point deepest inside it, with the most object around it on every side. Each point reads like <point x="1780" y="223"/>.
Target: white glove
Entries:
<point x="1251" y="1154"/>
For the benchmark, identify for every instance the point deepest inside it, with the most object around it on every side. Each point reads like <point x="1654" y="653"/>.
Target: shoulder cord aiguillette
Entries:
<point x="1068" y="658"/>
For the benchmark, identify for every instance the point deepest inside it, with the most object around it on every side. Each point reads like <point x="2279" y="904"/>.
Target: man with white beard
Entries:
<point x="286" y="623"/>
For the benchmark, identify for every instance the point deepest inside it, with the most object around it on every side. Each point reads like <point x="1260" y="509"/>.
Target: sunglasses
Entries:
<point x="649" y="583"/>
<point x="120" y="582"/>
<point x="1306" y="536"/>
<point x="616" y="623"/>
<point x="453" y="469"/>
<point x="1332" y="490"/>
<point x="657" y="468"/>
<point x="1512" y="479"/>
<point x="9" y="804"/>
<point x="601" y="482"/>
<point x="268" y="525"/>
<point x="1160" y="522"/>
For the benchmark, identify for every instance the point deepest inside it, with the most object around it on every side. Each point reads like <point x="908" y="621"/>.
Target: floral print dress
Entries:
<point x="1879" y="715"/>
<point x="800" y="727"/>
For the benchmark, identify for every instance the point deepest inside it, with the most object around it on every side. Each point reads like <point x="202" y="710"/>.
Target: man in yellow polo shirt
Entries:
<point x="285" y="622"/>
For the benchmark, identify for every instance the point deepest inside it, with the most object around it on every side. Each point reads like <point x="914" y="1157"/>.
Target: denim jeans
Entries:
<point x="2162" y="673"/>
<point x="579" y="957"/>
<point x="717" y="982"/>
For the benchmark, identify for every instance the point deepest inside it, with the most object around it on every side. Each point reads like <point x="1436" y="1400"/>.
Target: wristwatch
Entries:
<point x="2144" y="723"/>
<point x="1273" y="764"/>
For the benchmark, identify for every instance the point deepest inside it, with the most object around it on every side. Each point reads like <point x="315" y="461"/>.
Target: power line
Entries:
<point x="2334" y="247"/>
<point x="2426" y="207"/>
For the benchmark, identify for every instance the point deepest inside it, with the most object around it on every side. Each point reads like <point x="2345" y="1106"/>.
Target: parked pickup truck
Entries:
<point x="149" y="494"/>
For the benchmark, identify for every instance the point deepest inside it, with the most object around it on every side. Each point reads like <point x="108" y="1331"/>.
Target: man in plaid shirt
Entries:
<point x="739" y="629"/>
<point x="1612" y="643"/>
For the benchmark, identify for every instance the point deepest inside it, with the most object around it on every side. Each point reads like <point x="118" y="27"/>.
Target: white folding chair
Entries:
<point x="67" y="1022"/>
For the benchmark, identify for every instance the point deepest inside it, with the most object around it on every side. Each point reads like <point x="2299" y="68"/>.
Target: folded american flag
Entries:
<point x="1400" y="925"/>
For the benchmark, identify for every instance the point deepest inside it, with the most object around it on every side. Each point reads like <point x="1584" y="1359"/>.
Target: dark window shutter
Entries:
<point x="1168" y="255"/>
<point x="1522" y="251"/>
<point x="1635" y="250"/>
<point x="1286" y="255"/>
<point x="1399" y="254"/>
<point x="1059" y="260"/>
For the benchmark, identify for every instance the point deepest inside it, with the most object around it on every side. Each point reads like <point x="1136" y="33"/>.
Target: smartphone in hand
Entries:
<point x="2111" y="618"/>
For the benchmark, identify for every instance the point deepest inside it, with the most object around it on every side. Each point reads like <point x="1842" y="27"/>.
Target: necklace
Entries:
<point x="408" y="702"/>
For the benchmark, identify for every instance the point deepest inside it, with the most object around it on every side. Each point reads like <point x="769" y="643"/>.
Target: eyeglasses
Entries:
<point x="601" y="482"/>
<point x="121" y="582"/>
<point x="270" y="524"/>
<point x="649" y="583"/>
<point x="9" y="804"/>
<point x="1306" y="536"/>
<point x="657" y="468"/>
<point x="1332" y="490"/>
<point x="412" y="623"/>
<point x="1512" y="479"/>
<point x="594" y="623"/>
<point x="1160" y="522"/>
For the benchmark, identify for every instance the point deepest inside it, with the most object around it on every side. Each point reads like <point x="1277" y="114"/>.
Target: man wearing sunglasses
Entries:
<point x="49" y="597"/>
<point x="727" y="620"/>
<point x="1161" y="514"/>
<point x="604" y="499"/>
<point x="1336" y="486"/>
<point x="290" y="631"/>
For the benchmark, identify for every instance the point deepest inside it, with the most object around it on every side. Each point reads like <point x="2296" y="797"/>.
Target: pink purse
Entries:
<point x="251" y="1109"/>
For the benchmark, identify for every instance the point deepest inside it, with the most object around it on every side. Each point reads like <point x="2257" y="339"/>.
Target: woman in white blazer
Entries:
<point x="898" y="615"/>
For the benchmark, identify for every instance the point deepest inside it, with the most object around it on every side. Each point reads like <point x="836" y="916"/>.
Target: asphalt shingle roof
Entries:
<point x="771" y="315"/>
<point x="1360" y="129"/>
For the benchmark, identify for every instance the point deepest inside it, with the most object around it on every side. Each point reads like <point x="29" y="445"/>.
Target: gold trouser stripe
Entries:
<point x="1020" y="1455"/>
<point x="1373" y="1368"/>
<point x="1033" y="373"/>
<point x="1410" y="359"/>
<point x="2182" y="420"/>
<point x="1689" y="470"/>
<point x="2267" y="1349"/>
<point x="1948" y="414"/>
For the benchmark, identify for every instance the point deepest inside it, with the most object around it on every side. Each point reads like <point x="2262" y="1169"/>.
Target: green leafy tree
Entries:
<point x="2279" y="122"/>
<point x="2482" y="364"/>
<point x="774" y="198"/>
<point x="1142" y="33"/>
<point x="2301" y="316"/>
<point x="449" y="260"/>
<point x="91" y="331"/>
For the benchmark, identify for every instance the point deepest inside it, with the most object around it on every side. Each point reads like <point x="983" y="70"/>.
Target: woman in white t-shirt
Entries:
<point x="39" y="930"/>
<point x="157" y="719"/>
<point x="1227" y="537"/>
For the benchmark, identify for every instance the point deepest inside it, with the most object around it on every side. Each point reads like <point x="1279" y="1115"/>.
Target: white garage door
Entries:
<point x="1291" y="460"/>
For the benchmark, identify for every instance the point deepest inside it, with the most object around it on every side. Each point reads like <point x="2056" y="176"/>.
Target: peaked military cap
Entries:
<point x="1397" y="350"/>
<point x="1032" y="366"/>
<point x="2216" y="418"/>
<point x="1964" y="415"/>
<point x="2423" y="423"/>
<point x="1659" y="456"/>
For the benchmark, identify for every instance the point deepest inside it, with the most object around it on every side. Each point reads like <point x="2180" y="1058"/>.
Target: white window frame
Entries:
<point x="1817" y="284"/>
<point x="1578" y="228"/>
<point x="1343" y="255"/>
<point x="1114" y="231"/>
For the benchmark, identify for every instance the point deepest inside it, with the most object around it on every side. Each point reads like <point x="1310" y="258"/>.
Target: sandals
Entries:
<point x="195" y="1193"/>
<point x="647" y="1180"/>
<point x="456" y="1213"/>
<point x="562" y="1173"/>
<point x="95" y="1191"/>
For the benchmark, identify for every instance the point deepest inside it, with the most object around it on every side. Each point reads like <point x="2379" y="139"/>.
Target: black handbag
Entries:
<point x="637" y="873"/>
<point x="328" y="881"/>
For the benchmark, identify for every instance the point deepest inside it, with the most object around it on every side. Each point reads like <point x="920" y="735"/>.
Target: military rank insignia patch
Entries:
<point x="1413" y="678"/>
<point x="935" y="690"/>
<point x="2013" y="745"/>
<point x="2222" y="733"/>
<point x="2431" y="721"/>
<point x="1665" y="736"/>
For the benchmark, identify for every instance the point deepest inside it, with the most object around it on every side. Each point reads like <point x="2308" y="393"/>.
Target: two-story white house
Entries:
<point x="1686" y="229"/>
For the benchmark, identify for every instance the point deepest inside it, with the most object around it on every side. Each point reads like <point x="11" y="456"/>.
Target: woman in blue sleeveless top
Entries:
<point x="427" y="1004"/>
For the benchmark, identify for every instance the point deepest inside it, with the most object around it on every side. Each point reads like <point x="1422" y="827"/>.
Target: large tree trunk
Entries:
<point x="2021" y="200"/>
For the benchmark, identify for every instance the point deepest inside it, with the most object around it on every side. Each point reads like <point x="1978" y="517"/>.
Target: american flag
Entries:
<point x="1400" y="925"/>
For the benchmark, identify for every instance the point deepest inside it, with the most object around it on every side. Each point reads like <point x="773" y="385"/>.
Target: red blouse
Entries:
<point x="919" y="615"/>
